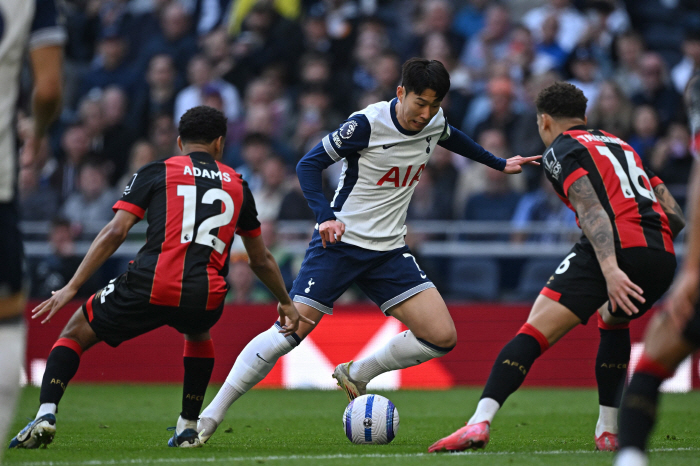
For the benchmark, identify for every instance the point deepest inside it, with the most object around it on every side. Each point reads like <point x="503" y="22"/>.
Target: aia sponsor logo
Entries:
<point x="399" y="176"/>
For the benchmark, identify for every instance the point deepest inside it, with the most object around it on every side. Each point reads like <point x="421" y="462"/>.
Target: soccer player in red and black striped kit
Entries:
<point x="194" y="204"/>
<point x="623" y="263"/>
<point x="672" y="334"/>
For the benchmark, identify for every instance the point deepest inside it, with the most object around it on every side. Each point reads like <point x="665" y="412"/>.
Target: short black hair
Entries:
<point x="202" y="124"/>
<point x="562" y="100"/>
<point x="419" y="74"/>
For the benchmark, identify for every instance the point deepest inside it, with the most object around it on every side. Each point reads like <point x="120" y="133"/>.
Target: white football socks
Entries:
<point x="607" y="421"/>
<point x="46" y="408"/>
<point x="631" y="456"/>
<point x="255" y="361"/>
<point x="485" y="411"/>
<point x="403" y="350"/>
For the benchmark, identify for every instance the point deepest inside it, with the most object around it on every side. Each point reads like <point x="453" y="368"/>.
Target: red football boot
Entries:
<point x="474" y="436"/>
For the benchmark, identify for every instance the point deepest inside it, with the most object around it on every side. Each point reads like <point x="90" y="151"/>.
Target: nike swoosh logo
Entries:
<point x="258" y="355"/>
<point x="387" y="146"/>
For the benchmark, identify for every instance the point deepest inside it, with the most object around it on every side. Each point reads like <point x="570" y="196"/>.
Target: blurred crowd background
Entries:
<point x="287" y="72"/>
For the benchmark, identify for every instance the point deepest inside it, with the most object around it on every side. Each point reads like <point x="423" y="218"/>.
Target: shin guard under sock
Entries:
<point x="198" y="359"/>
<point x="513" y="363"/>
<point x="61" y="366"/>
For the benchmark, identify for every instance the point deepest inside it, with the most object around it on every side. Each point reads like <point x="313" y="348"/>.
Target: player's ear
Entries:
<point x="179" y="144"/>
<point x="219" y="146"/>
<point x="400" y="91"/>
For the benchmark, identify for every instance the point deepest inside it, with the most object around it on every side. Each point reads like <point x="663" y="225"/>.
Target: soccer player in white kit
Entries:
<point x="31" y="24"/>
<point x="359" y="237"/>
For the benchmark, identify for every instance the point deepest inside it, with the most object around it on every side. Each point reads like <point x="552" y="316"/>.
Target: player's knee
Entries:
<point x="446" y="339"/>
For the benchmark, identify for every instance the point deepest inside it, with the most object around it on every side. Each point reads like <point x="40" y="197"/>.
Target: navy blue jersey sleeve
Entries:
<point x="47" y="28"/>
<point x="309" y="171"/>
<point x="138" y="193"/>
<point x="352" y="136"/>
<point x="456" y="141"/>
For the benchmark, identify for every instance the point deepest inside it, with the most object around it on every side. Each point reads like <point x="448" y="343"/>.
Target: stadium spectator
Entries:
<point x="162" y="135"/>
<point x="690" y="64"/>
<point x="491" y="44"/>
<point x="585" y="72"/>
<point x="629" y="48"/>
<point x="199" y="75"/>
<point x="524" y="59"/>
<point x="497" y="202"/>
<point x="52" y="272"/>
<point x="294" y="205"/>
<point x="156" y="96"/>
<point x="572" y="24"/>
<point x="111" y="67"/>
<point x="216" y="46"/>
<point x="286" y="261"/>
<point x="386" y="71"/>
<point x="657" y="90"/>
<point x="434" y="17"/>
<point x="271" y="191"/>
<point x="75" y="149"/>
<point x="645" y="131"/>
<point x="314" y="115"/>
<point x="546" y="41"/>
<point x="172" y="38"/>
<point x="117" y="135"/>
<point x="470" y="18"/>
<point x="671" y="159"/>
<point x="255" y="150"/>
<point x="91" y="206"/>
<point x="612" y="111"/>
<point x="36" y="202"/>
<point x="142" y="153"/>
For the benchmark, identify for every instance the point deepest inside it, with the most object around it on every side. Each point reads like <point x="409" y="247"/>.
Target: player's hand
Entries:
<point x="620" y="289"/>
<point x="290" y="317"/>
<point x="54" y="304"/>
<point x="331" y="231"/>
<point x="682" y="298"/>
<point x="515" y="164"/>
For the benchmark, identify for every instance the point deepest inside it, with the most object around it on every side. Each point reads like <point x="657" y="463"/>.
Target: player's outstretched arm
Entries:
<point x="676" y="219"/>
<point x="515" y="164"/>
<point x="46" y="64"/>
<point x="263" y="264"/>
<point x="596" y="225"/>
<point x="105" y="244"/>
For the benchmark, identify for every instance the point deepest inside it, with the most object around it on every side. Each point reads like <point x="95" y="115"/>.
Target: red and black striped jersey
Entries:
<point x="194" y="205"/>
<point x="623" y="184"/>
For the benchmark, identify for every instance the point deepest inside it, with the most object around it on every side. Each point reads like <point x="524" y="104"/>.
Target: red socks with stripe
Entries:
<point x="198" y="358"/>
<point x="638" y="408"/>
<point x="612" y="361"/>
<point x="514" y="362"/>
<point x="61" y="366"/>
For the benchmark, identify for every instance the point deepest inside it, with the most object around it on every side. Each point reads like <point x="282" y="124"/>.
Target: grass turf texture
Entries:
<point x="126" y="424"/>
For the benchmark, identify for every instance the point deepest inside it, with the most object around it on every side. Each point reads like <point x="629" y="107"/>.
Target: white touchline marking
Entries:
<point x="324" y="457"/>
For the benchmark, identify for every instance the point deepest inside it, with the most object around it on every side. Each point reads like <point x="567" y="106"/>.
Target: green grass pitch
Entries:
<point x="126" y="424"/>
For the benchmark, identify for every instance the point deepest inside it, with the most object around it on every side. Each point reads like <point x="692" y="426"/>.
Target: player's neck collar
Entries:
<point x="399" y="128"/>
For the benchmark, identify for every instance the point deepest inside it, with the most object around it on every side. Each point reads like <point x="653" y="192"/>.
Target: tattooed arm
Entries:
<point x="596" y="225"/>
<point x="673" y="211"/>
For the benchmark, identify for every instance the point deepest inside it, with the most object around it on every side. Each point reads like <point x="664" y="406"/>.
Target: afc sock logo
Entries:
<point x="58" y="382"/>
<point x="193" y="397"/>
<point x="516" y="364"/>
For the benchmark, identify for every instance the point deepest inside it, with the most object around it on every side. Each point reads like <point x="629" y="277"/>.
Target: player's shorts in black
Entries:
<point x="692" y="329"/>
<point x="578" y="283"/>
<point x="116" y="314"/>
<point x="11" y="250"/>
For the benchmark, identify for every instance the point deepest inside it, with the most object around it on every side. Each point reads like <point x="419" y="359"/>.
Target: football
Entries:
<point x="371" y="419"/>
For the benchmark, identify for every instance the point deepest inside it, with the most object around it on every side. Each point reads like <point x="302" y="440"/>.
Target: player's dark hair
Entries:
<point x="562" y="100"/>
<point x="202" y="124"/>
<point x="419" y="74"/>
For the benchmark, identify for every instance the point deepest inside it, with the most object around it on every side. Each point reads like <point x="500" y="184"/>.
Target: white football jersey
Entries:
<point x="23" y="23"/>
<point x="382" y="165"/>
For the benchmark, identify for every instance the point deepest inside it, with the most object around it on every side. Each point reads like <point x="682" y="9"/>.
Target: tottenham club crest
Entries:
<point x="347" y="129"/>
<point x="551" y="164"/>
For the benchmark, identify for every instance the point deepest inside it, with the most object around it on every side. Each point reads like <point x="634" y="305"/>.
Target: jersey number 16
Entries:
<point x="204" y="236"/>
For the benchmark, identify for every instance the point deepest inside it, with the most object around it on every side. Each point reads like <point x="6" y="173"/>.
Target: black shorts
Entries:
<point x="692" y="329"/>
<point x="11" y="250"/>
<point x="579" y="284"/>
<point x="117" y="314"/>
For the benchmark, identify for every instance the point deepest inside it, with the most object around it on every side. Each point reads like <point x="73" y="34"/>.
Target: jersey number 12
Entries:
<point x="204" y="236"/>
